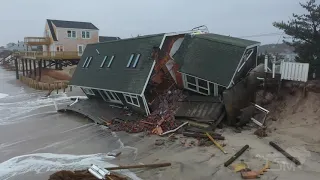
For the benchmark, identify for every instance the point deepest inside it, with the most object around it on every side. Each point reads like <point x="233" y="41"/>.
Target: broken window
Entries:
<point x="88" y="91"/>
<point x="134" y="63"/>
<point x="197" y="85"/>
<point x="245" y="58"/>
<point x="132" y="99"/>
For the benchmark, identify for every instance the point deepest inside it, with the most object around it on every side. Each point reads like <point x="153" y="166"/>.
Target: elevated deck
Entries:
<point x="37" y="41"/>
<point x="61" y="55"/>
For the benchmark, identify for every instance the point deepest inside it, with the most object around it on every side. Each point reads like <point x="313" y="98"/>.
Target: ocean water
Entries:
<point x="36" y="140"/>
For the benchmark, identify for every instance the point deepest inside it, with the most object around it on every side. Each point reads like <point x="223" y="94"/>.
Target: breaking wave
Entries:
<point x="48" y="162"/>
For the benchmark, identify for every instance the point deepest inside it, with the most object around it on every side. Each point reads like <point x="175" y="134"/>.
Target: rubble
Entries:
<point x="160" y="120"/>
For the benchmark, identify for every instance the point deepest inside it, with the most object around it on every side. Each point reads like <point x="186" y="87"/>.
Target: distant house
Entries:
<point x="132" y="72"/>
<point x="70" y="35"/>
<point x="20" y="46"/>
<point x="107" y="38"/>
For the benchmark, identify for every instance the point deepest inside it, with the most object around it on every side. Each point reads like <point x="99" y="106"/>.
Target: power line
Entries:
<point x="261" y="35"/>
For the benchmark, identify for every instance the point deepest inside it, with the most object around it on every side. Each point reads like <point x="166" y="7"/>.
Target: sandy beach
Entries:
<point x="35" y="141"/>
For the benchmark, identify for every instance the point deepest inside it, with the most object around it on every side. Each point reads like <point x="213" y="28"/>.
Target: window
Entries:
<point x="196" y="85"/>
<point x="135" y="62"/>
<point x="245" y="58"/>
<point x="85" y="34"/>
<point x="72" y="34"/>
<point x="103" y="62"/>
<point x="87" y="62"/>
<point x="88" y="91"/>
<point x="110" y="62"/>
<point x="132" y="99"/>
<point x="112" y="97"/>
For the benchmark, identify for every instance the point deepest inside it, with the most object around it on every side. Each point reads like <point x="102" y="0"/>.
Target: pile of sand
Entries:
<point x="296" y="114"/>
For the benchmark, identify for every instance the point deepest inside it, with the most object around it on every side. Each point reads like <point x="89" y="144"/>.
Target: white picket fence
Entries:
<point x="294" y="71"/>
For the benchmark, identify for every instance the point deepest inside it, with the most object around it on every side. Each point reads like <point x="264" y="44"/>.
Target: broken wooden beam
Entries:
<point x="140" y="166"/>
<point x="293" y="159"/>
<point x="202" y="135"/>
<point x="238" y="154"/>
<point x="216" y="143"/>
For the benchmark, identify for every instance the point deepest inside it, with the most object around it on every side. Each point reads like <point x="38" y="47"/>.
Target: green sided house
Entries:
<point x="124" y="71"/>
<point x="209" y="63"/>
<point x="118" y="71"/>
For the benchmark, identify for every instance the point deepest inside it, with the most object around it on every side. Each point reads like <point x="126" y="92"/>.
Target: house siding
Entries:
<point x="71" y="44"/>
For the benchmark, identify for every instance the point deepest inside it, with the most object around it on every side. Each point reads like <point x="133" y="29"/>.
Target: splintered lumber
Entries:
<point x="233" y="158"/>
<point x="140" y="166"/>
<point x="216" y="143"/>
<point x="202" y="135"/>
<point x="293" y="159"/>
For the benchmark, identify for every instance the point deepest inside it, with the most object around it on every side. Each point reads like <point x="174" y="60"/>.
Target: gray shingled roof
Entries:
<point x="107" y="38"/>
<point x="73" y="24"/>
<point x="68" y="24"/>
<point x="212" y="57"/>
<point x="118" y="77"/>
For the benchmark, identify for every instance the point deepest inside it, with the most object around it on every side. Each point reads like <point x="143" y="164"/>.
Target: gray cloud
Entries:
<point x="126" y="18"/>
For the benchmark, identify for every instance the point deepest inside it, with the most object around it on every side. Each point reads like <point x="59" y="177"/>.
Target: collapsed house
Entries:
<point x="134" y="72"/>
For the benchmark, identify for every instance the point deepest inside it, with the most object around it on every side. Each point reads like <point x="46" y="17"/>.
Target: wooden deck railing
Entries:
<point x="50" y="55"/>
<point x="37" y="40"/>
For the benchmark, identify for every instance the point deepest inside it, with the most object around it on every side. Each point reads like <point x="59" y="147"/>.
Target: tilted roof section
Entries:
<point x="227" y="40"/>
<point x="212" y="57"/>
<point x="118" y="77"/>
<point x="73" y="24"/>
<point x="107" y="38"/>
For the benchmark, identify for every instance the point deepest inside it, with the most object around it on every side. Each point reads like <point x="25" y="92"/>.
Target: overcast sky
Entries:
<point x="126" y="18"/>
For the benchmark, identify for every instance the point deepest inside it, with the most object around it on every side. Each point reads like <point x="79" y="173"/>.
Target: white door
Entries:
<point x="80" y="50"/>
<point x="113" y="97"/>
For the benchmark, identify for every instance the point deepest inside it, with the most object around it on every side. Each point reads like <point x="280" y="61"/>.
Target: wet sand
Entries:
<point x="36" y="141"/>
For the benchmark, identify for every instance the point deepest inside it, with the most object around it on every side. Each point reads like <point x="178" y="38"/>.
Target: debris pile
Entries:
<point x="159" y="121"/>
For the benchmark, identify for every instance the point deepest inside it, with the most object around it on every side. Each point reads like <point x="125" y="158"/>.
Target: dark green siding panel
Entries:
<point x="118" y="77"/>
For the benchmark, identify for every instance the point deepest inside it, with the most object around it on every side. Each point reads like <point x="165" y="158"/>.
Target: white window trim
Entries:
<point x="136" y="60"/>
<point x="88" y="91"/>
<point x="104" y="61"/>
<point x="130" y="60"/>
<point x="85" y="35"/>
<point x="110" y="62"/>
<point x="71" y="34"/>
<point x="88" y="63"/>
<point x="186" y="83"/>
<point x="85" y="62"/>
<point x="115" y="98"/>
<point x="129" y="96"/>
<point x="247" y="58"/>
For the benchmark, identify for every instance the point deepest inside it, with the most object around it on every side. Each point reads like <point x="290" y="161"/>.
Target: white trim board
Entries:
<point x="202" y="79"/>
<point x="106" y="90"/>
<point x="236" y="70"/>
<point x="148" y="78"/>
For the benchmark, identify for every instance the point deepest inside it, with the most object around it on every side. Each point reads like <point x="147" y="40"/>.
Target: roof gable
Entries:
<point x="73" y="24"/>
<point x="211" y="57"/>
<point x="118" y="77"/>
<point x="53" y="34"/>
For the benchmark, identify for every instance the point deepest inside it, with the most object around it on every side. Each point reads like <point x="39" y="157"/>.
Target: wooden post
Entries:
<point x="44" y="63"/>
<point x="56" y="63"/>
<point x="26" y="61"/>
<point x="17" y="68"/>
<point x="30" y="68"/>
<point x="22" y="61"/>
<point x="57" y="86"/>
<point x="35" y="69"/>
<point x="40" y="67"/>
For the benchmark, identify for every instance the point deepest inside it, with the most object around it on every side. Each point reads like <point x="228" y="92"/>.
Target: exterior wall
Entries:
<point x="140" y="109"/>
<point x="71" y="44"/>
<point x="46" y="33"/>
